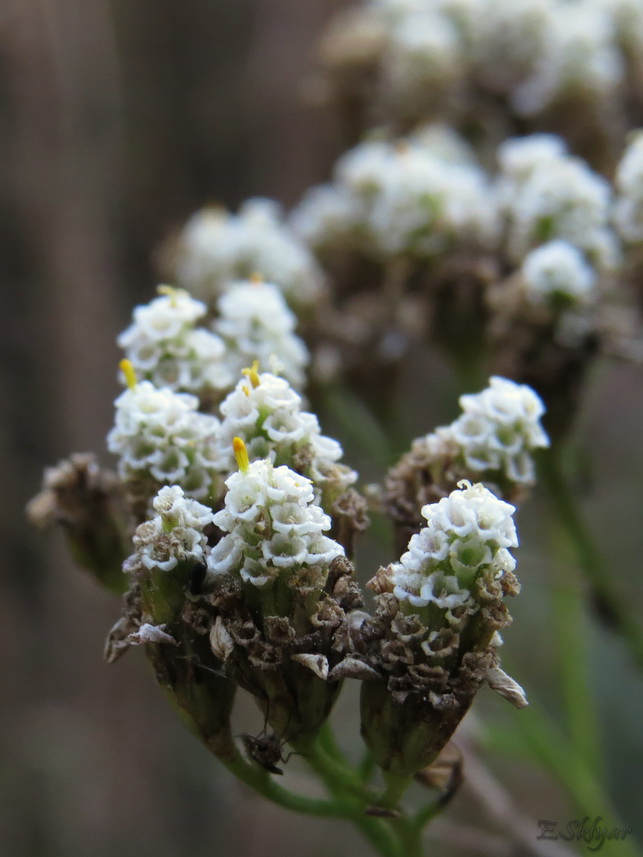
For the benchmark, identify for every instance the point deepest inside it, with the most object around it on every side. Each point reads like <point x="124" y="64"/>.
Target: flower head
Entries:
<point x="273" y="527"/>
<point x="160" y="435"/>
<point x="557" y="272"/>
<point x="165" y="346"/>
<point x="217" y="248"/>
<point x="266" y="413"/>
<point x="255" y="324"/>
<point x="499" y="428"/>
<point x="467" y="536"/>
<point x="173" y="535"/>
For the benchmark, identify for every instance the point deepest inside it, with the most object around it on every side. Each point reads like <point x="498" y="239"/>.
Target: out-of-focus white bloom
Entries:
<point x="423" y="58"/>
<point x="173" y="535"/>
<point x="273" y="527"/>
<point x="518" y="157"/>
<point x="442" y="142"/>
<point x="217" y="248"/>
<point x="628" y="212"/>
<point x="560" y="197"/>
<point x="255" y="324"/>
<point x="495" y="435"/>
<point x="405" y="198"/>
<point x="499" y="428"/>
<point x="160" y="434"/>
<point x="581" y="57"/>
<point x="503" y="39"/>
<point x="166" y="348"/>
<point x="325" y="217"/>
<point x="467" y="536"/>
<point x="558" y="271"/>
<point x="265" y="412"/>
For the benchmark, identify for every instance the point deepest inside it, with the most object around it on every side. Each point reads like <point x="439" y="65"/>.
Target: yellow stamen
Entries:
<point x="252" y="374"/>
<point x="128" y="370"/>
<point x="256" y="278"/>
<point x="241" y="454"/>
<point x="170" y="292"/>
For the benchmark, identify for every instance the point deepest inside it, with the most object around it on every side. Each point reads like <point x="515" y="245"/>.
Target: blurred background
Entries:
<point x="118" y="118"/>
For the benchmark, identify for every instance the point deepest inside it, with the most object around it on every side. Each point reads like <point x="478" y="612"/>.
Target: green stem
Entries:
<point x="328" y="743"/>
<point x="344" y="785"/>
<point x="572" y="655"/>
<point x="366" y="766"/>
<point x="611" y="603"/>
<point x="262" y="782"/>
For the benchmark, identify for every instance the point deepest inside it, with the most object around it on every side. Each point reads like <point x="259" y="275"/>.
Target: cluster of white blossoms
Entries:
<point x="628" y="213"/>
<point x="255" y="323"/>
<point x="165" y="346"/>
<point x="273" y="527"/>
<point x="496" y="433"/>
<point x="467" y="536"/>
<point x="216" y="248"/>
<point x="266" y="413"/>
<point x="558" y="273"/>
<point x="160" y="434"/>
<point x="547" y="194"/>
<point x="535" y="53"/>
<point x="173" y="535"/>
<point x="410" y="197"/>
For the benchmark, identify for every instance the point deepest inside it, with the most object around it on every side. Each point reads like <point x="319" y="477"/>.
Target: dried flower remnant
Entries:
<point x="433" y="638"/>
<point x="89" y="504"/>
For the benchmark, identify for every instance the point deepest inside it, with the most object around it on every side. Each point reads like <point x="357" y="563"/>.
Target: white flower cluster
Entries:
<point x="255" y="324"/>
<point x="628" y="212"/>
<point x="160" y="434"/>
<point x="173" y="535"/>
<point x="579" y="53"/>
<point x="217" y="247"/>
<point x="404" y="197"/>
<point x="273" y="527"/>
<point x="547" y="194"/>
<point x="558" y="272"/>
<point x="534" y="53"/>
<point x="266" y="413"/>
<point x="165" y="347"/>
<point x="467" y="535"/>
<point x="497" y="431"/>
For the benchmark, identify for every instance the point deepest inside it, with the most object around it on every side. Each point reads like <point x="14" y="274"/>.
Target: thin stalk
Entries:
<point x="261" y="782"/>
<point x="612" y="604"/>
<point x="572" y="656"/>
<point x="344" y="785"/>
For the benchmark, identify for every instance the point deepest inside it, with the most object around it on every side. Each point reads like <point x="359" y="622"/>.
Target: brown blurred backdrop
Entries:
<point x="117" y="119"/>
